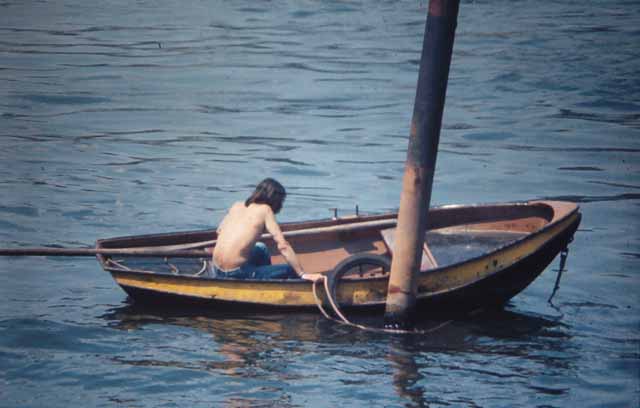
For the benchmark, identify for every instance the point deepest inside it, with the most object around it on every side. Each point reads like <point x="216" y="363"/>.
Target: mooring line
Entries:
<point x="564" y="254"/>
<point x="343" y="320"/>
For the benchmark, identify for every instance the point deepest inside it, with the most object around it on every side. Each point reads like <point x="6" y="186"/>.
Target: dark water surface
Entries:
<point x="122" y="117"/>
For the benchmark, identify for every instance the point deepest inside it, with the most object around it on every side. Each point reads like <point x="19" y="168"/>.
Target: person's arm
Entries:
<point x="283" y="246"/>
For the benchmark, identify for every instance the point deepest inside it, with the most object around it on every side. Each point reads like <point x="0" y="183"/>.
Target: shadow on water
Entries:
<point x="247" y="344"/>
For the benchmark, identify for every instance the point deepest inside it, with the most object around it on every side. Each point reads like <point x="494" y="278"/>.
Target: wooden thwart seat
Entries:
<point x="428" y="261"/>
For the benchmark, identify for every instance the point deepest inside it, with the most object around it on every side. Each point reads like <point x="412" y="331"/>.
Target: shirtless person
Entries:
<point x="237" y="253"/>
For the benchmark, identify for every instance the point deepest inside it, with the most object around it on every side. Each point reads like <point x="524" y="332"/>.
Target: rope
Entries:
<point x="118" y="264"/>
<point x="563" y="260"/>
<point x="343" y="320"/>
<point x="204" y="268"/>
<point x="174" y="269"/>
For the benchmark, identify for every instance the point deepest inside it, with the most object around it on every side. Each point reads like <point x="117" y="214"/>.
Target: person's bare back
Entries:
<point x="237" y="233"/>
<point x="240" y="230"/>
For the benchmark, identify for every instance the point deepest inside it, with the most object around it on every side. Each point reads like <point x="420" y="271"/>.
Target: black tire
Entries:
<point x="364" y="258"/>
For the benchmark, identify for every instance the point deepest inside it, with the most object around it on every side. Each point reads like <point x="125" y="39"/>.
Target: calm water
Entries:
<point x="122" y="117"/>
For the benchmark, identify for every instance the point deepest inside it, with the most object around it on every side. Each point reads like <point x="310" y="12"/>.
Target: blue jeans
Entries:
<point x="258" y="266"/>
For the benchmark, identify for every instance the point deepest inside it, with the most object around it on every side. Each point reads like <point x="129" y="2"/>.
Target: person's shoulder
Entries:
<point x="263" y="209"/>
<point x="237" y="209"/>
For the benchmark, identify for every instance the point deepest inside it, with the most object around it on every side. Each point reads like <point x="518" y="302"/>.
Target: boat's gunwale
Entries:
<point x="557" y="218"/>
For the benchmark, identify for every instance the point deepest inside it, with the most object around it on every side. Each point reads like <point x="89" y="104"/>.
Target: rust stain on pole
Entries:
<point x="421" y="161"/>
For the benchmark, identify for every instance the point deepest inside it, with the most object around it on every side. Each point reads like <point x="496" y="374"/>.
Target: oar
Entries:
<point x="141" y="251"/>
<point x="185" y="250"/>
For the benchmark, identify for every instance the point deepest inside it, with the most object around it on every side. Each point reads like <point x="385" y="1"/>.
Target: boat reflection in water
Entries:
<point x="259" y="358"/>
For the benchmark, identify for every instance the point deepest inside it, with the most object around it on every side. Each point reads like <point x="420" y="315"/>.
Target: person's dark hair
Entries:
<point x="268" y="192"/>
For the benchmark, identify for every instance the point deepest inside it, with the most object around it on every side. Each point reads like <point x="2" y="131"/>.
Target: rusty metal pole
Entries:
<point x="421" y="161"/>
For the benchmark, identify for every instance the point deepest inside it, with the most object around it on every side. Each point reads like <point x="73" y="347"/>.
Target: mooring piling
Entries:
<point x="420" y="164"/>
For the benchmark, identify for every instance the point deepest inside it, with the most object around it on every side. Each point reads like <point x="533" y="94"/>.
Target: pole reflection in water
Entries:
<point x="406" y="373"/>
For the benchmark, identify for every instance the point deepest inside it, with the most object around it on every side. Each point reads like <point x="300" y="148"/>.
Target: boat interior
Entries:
<point x="454" y="234"/>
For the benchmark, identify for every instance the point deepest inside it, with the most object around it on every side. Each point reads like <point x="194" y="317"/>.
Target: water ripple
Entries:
<point x="595" y="199"/>
<point x="626" y="119"/>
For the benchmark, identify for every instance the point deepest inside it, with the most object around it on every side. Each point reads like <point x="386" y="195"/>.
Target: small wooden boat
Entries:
<point x="475" y="257"/>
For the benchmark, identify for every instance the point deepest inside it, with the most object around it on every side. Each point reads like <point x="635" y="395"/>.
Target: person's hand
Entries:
<point x="313" y="277"/>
